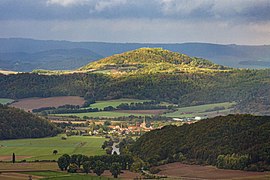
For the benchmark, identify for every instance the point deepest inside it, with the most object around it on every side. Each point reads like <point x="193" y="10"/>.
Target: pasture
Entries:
<point x="6" y="101"/>
<point x="29" y="104"/>
<point x="42" y="148"/>
<point x="114" y="103"/>
<point x="110" y="114"/>
<point x="202" y="110"/>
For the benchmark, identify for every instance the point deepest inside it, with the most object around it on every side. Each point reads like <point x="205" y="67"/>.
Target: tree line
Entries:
<point x="96" y="164"/>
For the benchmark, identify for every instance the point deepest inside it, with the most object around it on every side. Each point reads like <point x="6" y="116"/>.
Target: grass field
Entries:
<point x="5" y="101"/>
<point x="102" y="114"/>
<point x="193" y="111"/>
<point x="64" y="175"/>
<point x="42" y="148"/>
<point x="114" y="103"/>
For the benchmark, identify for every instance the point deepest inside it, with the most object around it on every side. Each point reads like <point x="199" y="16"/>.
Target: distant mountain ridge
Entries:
<point x="12" y="49"/>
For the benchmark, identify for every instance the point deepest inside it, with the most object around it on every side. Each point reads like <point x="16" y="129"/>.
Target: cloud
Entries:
<point x="66" y="3"/>
<point x="222" y="21"/>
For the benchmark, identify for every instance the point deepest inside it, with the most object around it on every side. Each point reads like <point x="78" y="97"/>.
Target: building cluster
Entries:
<point x="133" y="129"/>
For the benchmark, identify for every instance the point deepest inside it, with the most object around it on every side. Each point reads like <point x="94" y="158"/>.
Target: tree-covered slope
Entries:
<point x="16" y="124"/>
<point x="146" y="73"/>
<point x="204" y="141"/>
<point x="152" y="60"/>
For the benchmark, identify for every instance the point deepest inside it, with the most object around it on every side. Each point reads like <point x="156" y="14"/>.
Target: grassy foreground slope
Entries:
<point x="203" y="142"/>
<point x="42" y="148"/>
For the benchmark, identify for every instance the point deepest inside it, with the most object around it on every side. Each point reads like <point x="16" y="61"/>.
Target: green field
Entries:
<point x="193" y="111"/>
<point x="64" y="175"/>
<point x="112" y="114"/>
<point x="5" y="101"/>
<point x="42" y="148"/>
<point x="114" y="103"/>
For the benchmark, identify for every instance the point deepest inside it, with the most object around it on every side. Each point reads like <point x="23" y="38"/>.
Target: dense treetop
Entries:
<point x="16" y="124"/>
<point x="203" y="142"/>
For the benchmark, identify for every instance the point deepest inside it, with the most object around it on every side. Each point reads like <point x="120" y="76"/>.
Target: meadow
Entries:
<point x="202" y="110"/>
<point x="110" y="114"/>
<point x="114" y="103"/>
<point x="6" y="101"/>
<point x="42" y="148"/>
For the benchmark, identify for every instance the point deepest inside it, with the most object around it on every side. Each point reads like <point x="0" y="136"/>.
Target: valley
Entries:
<point x="162" y="108"/>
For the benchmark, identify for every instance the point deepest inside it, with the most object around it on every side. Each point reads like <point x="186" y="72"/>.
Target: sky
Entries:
<point x="151" y="21"/>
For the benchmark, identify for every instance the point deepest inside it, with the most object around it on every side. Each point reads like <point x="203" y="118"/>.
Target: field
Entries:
<point x="114" y="103"/>
<point x="112" y="114"/>
<point x="5" y="101"/>
<point x="29" y="104"/>
<point x="50" y="170"/>
<point x="42" y="148"/>
<point x="200" y="110"/>
<point x="178" y="170"/>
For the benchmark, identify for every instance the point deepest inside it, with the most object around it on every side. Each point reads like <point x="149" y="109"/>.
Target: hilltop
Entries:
<point x="152" y="60"/>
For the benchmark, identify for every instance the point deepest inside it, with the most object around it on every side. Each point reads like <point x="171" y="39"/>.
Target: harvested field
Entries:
<point x="152" y="111"/>
<point x="29" y="104"/>
<point x="9" y="158"/>
<point x="178" y="170"/>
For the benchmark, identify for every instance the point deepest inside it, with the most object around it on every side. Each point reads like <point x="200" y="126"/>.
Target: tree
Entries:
<point x="55" y="152"/>
<point x="87" y="166"/>
<point x="99" y="167"/>
<point x="13" y="158"/>
<point x="78" y="159"/>
<point x="63" y="162"/>
<point x="115" y="169"/>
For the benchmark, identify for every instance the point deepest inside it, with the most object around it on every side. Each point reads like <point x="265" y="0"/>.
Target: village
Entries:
<point x="115" y="128"/>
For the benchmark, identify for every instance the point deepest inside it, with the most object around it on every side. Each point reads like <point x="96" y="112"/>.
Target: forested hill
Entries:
<point x="153" y="60"/>
<point x="17" y="124"/>
<point x="241" y="138"/>
<point x="148" y="73"/>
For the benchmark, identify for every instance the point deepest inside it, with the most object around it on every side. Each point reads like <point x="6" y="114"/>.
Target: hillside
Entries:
<point x="210" y="140"/>
<point x="17" y="124"/>
<point x="151" y="60"/>
<point x="26" y="52"/>
<point x="147" y="73"/>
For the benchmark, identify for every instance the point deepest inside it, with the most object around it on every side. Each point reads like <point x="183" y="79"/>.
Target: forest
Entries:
<point x="232" y="142"/>
<point x="17" y="124"/>
<point x="181" y="80"/>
